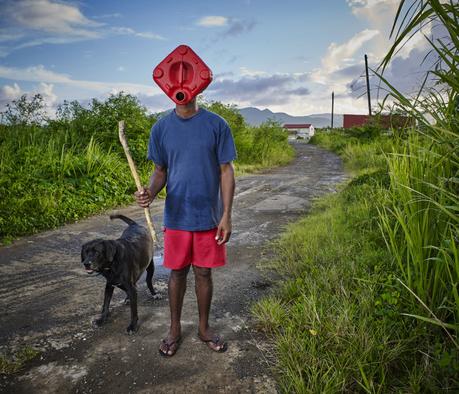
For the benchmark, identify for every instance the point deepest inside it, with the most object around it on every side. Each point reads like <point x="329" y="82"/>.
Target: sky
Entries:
<point x="287" y="56"/>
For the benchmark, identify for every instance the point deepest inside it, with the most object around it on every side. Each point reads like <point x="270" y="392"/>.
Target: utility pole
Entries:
<point x="333" y="107"/>
<point x="368" y="85"/>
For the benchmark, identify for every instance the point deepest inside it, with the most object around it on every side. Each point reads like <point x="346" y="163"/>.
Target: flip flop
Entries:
<point x="169" y="344"/>
<point x="217" y="341"/>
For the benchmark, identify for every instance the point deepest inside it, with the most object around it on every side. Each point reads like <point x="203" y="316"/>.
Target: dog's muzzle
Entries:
<point x="88" y="267"/>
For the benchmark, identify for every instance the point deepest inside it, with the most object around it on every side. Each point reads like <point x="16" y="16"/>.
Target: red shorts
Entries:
<point x="199" y="248"/>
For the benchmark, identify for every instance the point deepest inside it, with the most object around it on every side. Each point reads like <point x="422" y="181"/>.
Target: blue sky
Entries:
<point x="283" y="55"/>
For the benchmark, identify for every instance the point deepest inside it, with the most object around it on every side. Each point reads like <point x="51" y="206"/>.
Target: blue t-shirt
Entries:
<point x="192" y="150"/>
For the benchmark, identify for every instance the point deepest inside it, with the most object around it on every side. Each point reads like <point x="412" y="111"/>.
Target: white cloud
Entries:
<point x="380" y="14"/>
<point x="339" y="53"/>
<point x="246" y="72"/>
<point x="340" y="65"/>
<point x="34" y="74"/>
<point x="258" y="88"/>
<point x="29" y="23"/>
<point x="48" y="40"/>
<point x="108" y="16"/>
<point x="149" y="35"/>
<point x="10" y="92"/>
<point x="131" y="32"/>
<point x="149" y="95"/>
<point x="407" y="69"/>
<point x="47" y="92"/>
<point x="51" y="17"/>
<point x="121" y="68"/>
<point x="41" y="74"/>
<point x="6" y="35"/>
<point x="416" y="42"/>
<point x="279" y="92"/>
<point x="212" y="21"/>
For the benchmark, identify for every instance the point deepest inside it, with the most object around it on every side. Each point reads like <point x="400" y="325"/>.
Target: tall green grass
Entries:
<point x="363" y="148"/>
<point x="333" y="318"/>
<point x="420" y="220"/>
<point x="418" y="227"/>
<point x="44" y="184"/>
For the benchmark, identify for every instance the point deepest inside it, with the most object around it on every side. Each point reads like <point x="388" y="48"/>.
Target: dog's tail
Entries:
<point x="123" y="218"/>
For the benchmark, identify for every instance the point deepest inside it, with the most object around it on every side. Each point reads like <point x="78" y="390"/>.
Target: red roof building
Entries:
<point x="297" y="126"/>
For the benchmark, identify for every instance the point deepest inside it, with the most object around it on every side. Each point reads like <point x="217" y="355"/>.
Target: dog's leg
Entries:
<point x="132" y="294"/>
<point x="126" y="300"/>
<point x="150" y="272"/>
<point x="105" y="309"/>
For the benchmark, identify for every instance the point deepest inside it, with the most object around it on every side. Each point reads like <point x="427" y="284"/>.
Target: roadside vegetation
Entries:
<point x="17" y="361"/>
<point x="369" y="300"/>
<point x="59" y="170"/>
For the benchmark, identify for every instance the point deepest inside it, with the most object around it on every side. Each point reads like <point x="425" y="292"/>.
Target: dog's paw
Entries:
<point x="96" y="323"/>
<point x="156" y="296"/>
<point x="126" y="301"/>
<point x="132" y="328"/>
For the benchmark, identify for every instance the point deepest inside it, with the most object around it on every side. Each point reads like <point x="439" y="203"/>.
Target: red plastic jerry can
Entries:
<point x="182" y="75"/>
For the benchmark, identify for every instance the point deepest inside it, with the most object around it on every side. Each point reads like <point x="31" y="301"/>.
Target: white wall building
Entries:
<point x="300" y="130"/>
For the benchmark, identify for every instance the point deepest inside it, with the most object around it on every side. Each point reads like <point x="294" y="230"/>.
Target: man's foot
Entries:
<point x="169" y="346"/>
<point x="214" y="342"/>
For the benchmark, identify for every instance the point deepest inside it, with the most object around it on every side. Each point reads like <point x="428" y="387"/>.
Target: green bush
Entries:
<point x="257" y="147"/>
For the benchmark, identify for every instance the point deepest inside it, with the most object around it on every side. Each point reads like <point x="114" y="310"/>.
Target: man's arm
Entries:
<point x="227" y="188"/>
<point x="157" y="181"/>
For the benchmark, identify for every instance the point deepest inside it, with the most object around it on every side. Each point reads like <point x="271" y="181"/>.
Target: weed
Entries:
<point x="11" y="365"/>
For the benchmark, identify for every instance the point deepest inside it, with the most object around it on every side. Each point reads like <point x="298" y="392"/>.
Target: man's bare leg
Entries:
<point x="176" y="288"/>
<point x="204" y="288"/>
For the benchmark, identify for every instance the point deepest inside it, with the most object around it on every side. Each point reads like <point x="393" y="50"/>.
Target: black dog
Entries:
<point x="122" y="262"/>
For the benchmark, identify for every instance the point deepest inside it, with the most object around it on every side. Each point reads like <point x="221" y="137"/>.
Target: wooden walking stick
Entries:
<point x="135" y="175"/>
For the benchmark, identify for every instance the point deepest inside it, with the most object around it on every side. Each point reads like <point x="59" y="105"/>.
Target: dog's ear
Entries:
<point x="83" y="251"/>
<point x="110" y="250"/>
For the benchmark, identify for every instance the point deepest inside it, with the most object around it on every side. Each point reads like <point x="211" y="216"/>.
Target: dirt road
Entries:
<point x="48" y="301"/>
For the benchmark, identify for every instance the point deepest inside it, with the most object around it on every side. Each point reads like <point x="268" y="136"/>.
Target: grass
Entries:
<point x="420" y="220"/>
<point x="336" y="320"/>
<point x="44" y="184"/>
<point x="11" y="365"/>
<point x="331" y="318"/>
<point x="363" y="149"/>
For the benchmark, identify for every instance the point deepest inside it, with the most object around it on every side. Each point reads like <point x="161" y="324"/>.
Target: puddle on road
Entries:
<point x="160" y="270"/>
<point x="158" y="259"/>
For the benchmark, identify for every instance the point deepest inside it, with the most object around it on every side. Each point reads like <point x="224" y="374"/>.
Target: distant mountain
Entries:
<point x="255" y="117"/>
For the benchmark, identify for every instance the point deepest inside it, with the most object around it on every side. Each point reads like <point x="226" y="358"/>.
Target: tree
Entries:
<point x="25" y="111"/>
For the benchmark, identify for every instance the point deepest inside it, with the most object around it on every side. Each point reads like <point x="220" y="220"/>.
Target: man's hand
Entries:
<point x="224" y="230"/>
<point x="144" y="197"/>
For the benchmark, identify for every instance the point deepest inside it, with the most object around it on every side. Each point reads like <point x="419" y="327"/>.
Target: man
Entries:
<point x="193" y="150"/>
